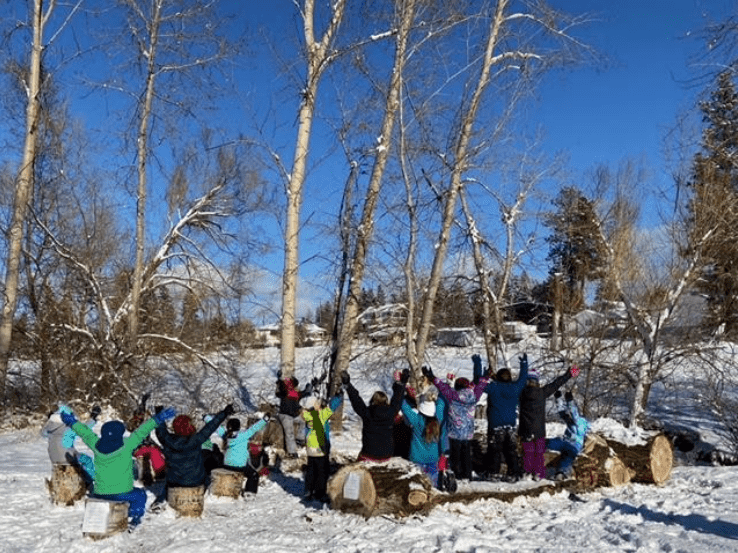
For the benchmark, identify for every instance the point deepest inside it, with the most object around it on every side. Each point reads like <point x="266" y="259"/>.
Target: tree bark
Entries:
<point x="23" y="191"/>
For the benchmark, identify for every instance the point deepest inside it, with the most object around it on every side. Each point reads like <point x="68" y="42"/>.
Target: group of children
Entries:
<point x="439" y="415"/>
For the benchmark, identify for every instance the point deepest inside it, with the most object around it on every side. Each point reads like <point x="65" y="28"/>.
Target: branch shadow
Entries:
<point x="695" y="522"/>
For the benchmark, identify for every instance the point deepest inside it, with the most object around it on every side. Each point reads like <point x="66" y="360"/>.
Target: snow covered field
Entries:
<point x="696" y="510"/>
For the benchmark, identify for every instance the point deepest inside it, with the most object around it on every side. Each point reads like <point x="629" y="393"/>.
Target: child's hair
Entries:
<point x="379" y="398"/>
<point x="233" y="426"/>
<point x="461" y="383"/>
<point x="503" y="375"/>
<point x="432" y="429"/>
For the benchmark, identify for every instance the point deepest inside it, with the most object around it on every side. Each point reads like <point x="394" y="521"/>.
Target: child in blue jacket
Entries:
<point x="425" y="446"/>
<point x="572" y="442"/>
<point x="237" y="454"/>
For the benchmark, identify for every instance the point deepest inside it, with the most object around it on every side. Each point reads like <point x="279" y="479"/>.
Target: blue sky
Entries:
<point x="626" y="109"/>
<point x="594" y="115"/>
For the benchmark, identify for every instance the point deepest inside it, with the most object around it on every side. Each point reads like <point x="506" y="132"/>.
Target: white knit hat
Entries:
<point x="427" y="408"/>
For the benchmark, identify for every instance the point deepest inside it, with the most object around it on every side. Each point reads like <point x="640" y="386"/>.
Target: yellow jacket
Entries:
<point x="316" y="441"/>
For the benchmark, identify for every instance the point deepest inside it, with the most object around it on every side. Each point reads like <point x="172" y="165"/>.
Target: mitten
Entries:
<point x="158" y="409"/>
<point x="308" y="389"/>
<point x="68" y="418"/>
<point x="95" y="412"/>
<point x="229" y="410"/>
<point x="266" y="418"/>
<point x="524" y="361"/>
<point x="405" y="376"/>
<point x="568" y="396"/>
<point x="574" y="371"/>
<point x="279" y="373"/>
<point x="428" y="373"/>
<point x="557" y="394"/>
<point x="345" y="378"/>
<point x="164" y="415"/>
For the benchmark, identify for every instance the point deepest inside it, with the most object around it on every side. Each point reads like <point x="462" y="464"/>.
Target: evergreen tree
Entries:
<point x="576" y="250"/>
<point x="714" y="204"/>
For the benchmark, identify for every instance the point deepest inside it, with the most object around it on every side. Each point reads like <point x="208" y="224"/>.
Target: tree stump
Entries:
<point x="188" y="502"/>
<point x="598" y="465"/>
<point x="651" y="462"/>
<point x="397" y="487"/>
<point x="226" y="483"/>
<point x="104" y="518"/>
<point x="66" y="485"/>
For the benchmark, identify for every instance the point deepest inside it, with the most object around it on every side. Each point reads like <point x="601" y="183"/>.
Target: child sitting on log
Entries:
<point x="113" y="457"/>
<point x="237" y="454"/>
<point x="573" y="440"/>
<point x="61" y="442"/>
<point x="183" y="449"/>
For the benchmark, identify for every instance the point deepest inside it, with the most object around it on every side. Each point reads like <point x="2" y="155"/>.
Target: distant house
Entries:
<point x="269" y="335"/>
<point x="384" y="324"/>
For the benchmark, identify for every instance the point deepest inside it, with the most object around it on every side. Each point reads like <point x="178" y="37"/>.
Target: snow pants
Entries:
<point x="502" y="441"/>
<point x="136" y="499"/>
<point x="533" y="459"/>
<point x="461" y="458"/>
<point x="288" y="423"/>
<point x="568" y="452"/>
<point x="316" y="476"/>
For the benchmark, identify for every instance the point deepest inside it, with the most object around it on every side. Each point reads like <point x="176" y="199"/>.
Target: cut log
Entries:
<point x="226" y="483"/>
<point x="66" y="485"/>
<point x="598" y="465"/>
<point x="104" y="518"/>
<point x="397" y="487"/>
<point x="651" y="462"/>
<point x="188" y="502"/>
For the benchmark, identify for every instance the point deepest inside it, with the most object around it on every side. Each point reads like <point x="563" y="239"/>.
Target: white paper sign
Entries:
<point x="352" y="486"/>
<point x="96" y="517"/>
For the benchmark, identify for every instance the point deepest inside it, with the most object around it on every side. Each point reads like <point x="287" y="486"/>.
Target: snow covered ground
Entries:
<point x="696" y="510"/>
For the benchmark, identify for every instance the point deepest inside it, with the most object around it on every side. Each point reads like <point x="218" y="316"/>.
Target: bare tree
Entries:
<point x="39" y="16"/>
<point x="497" y="59"/>
<point x="319" y="54"/>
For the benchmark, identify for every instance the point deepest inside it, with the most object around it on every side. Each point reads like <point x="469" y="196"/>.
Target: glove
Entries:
<point x="428" y="373"/>
<point x="158" y="409"/>
<point x="279" y="373"/>
<point x="229" y="410"/>
<point x="68" y="418"/>
<point x="523" y="361"/>
<point x="345" y="378"/>
<point x="207" y="418"/>
<point x="308" y="389"/>
<point x="315" y="381"/>
<point x="64" y="408"/>
<point x="95" y="412"/>
<point x="164" y="415"/>
<point x="477" y="363"/>
<point x="405" y="376"/>
<point x="267" y="417"/>
<point x="568" y="396"/>
<point x="574" y="371"/>
<point x="145" y="398"/>
<point x="557" y="394"/>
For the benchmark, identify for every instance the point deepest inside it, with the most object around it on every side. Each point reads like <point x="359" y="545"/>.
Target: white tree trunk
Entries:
<point x="406" y="13"/>
<point x="319" y="55"/>
<point x="23" y="191"/>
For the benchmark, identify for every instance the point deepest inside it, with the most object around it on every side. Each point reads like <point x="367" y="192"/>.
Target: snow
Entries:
<point x="694" y="511"/>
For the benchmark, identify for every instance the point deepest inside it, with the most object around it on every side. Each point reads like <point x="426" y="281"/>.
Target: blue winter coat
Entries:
<point x="237" y="448"/>
<point x="422" y="452"/>
<point x="503" y="399"/>
<point x="459" y="420"/>
<point x="576" y="425"/>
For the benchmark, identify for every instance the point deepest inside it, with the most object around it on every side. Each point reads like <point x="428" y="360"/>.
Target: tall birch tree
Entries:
<point x="40" y="14"/>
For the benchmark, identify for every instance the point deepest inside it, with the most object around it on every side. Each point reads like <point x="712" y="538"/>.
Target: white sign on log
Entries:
<point x="96" y="517"/>
<point x="352" y="486"/>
